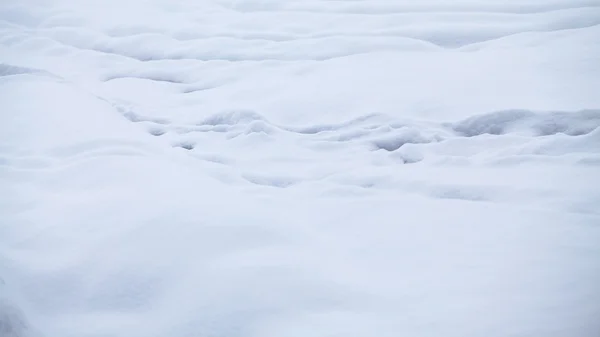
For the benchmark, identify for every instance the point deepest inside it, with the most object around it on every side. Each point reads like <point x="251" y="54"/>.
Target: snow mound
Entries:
<point x="539" y="124"/>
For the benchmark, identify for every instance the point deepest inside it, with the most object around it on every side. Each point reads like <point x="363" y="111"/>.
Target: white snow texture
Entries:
<point x="300" y="168"/>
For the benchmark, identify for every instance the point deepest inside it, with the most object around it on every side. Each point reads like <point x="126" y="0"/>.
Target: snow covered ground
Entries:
<point x="277" y="168"/>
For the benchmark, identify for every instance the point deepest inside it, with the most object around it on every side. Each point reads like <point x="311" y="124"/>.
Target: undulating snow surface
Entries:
<point x="277" y="168"/>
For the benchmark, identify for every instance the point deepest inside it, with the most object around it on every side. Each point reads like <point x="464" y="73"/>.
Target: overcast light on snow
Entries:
<point x="271" y="168"/>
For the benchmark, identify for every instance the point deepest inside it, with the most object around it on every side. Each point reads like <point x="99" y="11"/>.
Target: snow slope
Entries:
<point x="299" y="168"/>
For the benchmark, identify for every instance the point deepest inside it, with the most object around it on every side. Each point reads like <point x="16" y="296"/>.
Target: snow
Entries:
<point x="299" y="168"/>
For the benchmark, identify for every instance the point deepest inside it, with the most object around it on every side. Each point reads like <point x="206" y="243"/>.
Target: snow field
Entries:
<point x="299" y="168"/>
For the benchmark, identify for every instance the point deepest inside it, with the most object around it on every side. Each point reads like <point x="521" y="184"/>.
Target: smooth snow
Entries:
<point x="299" y="168"/>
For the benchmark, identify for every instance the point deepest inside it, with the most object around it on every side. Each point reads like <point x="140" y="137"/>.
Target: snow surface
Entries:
<point x="314" y="168"/>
